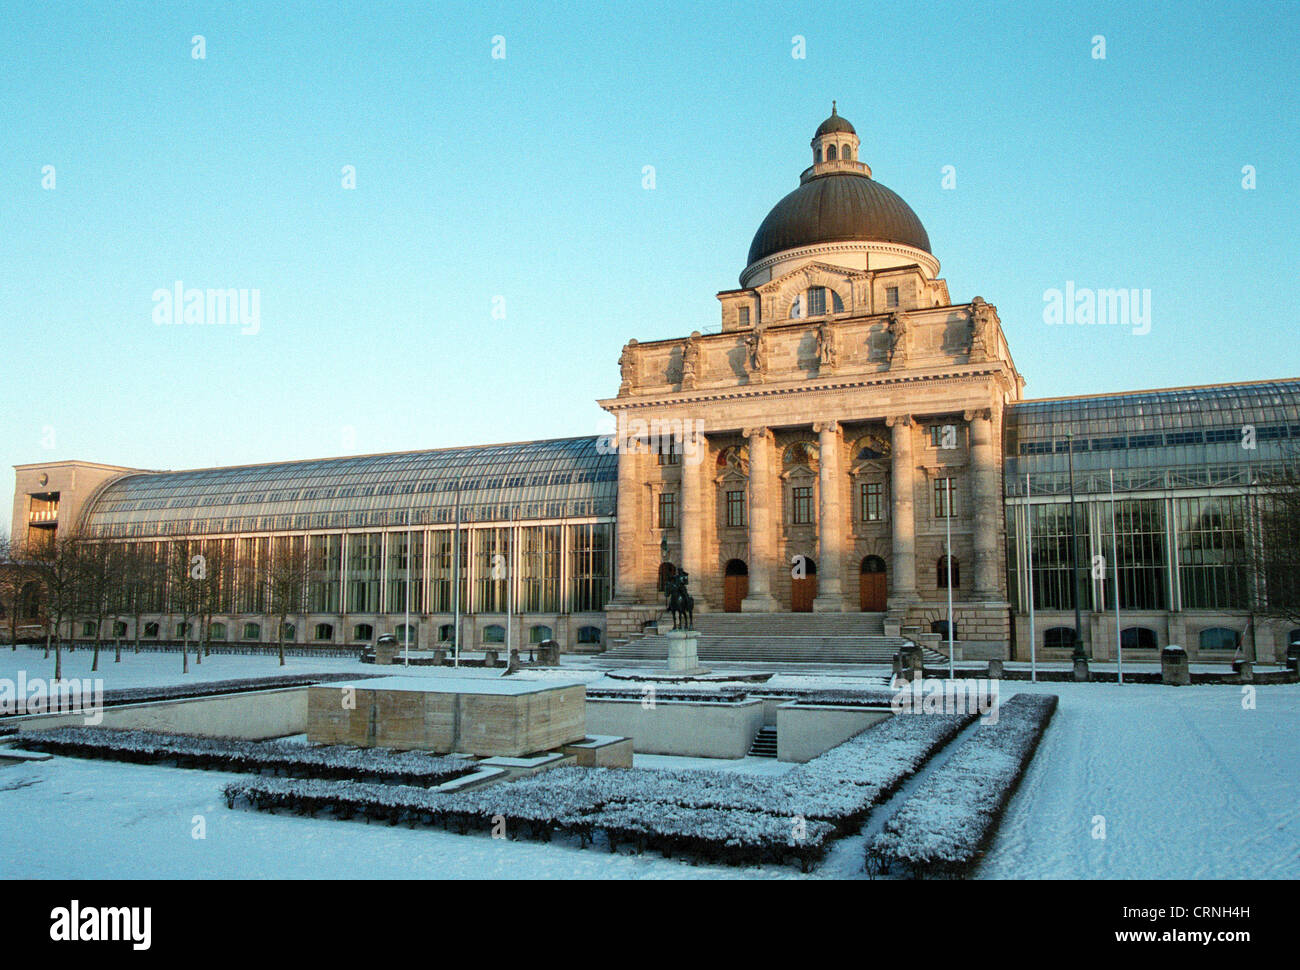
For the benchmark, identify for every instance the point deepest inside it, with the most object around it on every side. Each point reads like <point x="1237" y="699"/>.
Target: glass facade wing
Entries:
<point x="560" y="478"/>
<point x="1179" y="438"/>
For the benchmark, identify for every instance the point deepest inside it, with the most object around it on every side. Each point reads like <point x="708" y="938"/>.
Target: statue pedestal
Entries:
<point x="684" y="652"/>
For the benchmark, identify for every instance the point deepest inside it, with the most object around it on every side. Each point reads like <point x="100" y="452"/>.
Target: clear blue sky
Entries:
<point x="522" y="178"/>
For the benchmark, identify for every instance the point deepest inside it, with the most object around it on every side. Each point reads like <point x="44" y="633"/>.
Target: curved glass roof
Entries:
<point x="1183" y="437"/>
<point x="566" y="477"/>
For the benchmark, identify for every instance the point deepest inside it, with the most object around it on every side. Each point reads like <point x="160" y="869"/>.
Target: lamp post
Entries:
<point x="947" y="518"/>
<point x="1074" y="555"/>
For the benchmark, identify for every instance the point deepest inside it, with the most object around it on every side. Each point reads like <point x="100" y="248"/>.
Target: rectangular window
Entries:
<point x="668" y="451"/>
<point x="744" y="317"/>
<point x="736" y="508"/>
<point x="801" y="506"/>
<point x="941" y="490"/>
<point x="667" y="510"/>
<point x="817" y="301"/>
<point x="891" y="296"/>
<point x="872" y="502"/>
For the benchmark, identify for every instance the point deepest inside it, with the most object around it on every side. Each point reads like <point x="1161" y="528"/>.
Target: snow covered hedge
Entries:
<point x="584" y="811"/>
<point x="138" y="695"/>
<point x="717" y="816"/>
<point x="226" y="754"/>
<point x="944" y="828"/>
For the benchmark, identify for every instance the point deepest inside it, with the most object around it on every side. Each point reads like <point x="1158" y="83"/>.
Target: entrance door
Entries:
<point x="735" y="586"/>
<point x="871" y="590"/>
<point x="804" y="591"/>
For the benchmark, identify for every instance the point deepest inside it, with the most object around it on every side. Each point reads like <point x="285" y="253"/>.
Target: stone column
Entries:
<point x="627" y="531"/>
<point x="830" y="522"/>
<point x="761" y="540"/>
<point x="694" y="452"/>
<point x="903" y="520"/>
<point x="986" y="504"/>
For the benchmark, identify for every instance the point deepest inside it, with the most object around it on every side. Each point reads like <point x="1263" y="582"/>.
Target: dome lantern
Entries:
<point x="835" y="147"/>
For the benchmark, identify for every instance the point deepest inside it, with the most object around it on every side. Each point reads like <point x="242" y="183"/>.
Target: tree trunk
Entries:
<point x="117" y="650"/>
<point x="94" y="663"/>
<point x="185" y="654"/>
<point x="58" y="660"/>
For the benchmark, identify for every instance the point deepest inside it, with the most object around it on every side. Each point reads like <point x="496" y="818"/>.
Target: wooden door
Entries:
<point x="734" y="590"/>
<point x="802" y="593"/>
<point x="872" y="594"/>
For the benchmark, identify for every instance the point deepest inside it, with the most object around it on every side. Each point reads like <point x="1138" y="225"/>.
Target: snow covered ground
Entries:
<point x="1187" y="782"/>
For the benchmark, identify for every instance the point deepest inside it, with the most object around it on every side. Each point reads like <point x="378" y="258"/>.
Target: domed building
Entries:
<point x="847" y="460"/>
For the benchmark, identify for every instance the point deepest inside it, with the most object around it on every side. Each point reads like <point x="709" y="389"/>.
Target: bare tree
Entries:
<point x="59" y="561"/>
<point x="186" y="572"/>
<point x="288" y="582"/>
<point x="1275" y="544"/>
<point x="13" y="581"/>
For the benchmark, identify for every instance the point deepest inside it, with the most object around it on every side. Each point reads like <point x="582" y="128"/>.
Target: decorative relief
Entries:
<point x="690" y="361"/>
<point x="627" y="365"/>
<point x="900" y="327"/>
<point x="983" y="317"/>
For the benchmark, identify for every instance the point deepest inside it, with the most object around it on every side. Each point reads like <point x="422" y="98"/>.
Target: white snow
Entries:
<point x="1188" y="782"/>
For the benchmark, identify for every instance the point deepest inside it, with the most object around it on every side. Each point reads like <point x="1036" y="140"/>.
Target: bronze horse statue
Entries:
<point x="680" y="603"/>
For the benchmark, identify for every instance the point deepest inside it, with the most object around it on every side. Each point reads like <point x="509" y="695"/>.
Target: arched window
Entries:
<point x="363" y="631"/>
<point x="817" y="156"/>
<point x="216" y="631"/>
<point x="1138" y="638"/>
<point x="539" y="633"/>
<point x="183" y="630"/>
<point x="873" y="564"/>
<point x="446" y="633"/>
<point x="737" y="567"/>
<point x="830" y="153"/>
<point x="801" y="453"/>
<point x="324" y="631"/>
<point x="290" y="631"/>
<point x="589" y="634"/>
<point x="407" y="633"/>
<point x="495" y="633"/>
<point x="941" y="572"/>
<point x="1059" y="637"/>
<point x="1293" y="637"/>
<point x="151" y="630"/>
<point x="837" y="305"/>
<point x="666" y="572"/>
<point x="941" y="627"/>
<point x="119" y="629"/>
<point x="847" y="153"/>
<point x="1220" y="638"/>
<point x="88" y="628"/>
<point x="252" y="631"/>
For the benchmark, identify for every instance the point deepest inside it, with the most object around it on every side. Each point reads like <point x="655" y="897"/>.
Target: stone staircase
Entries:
<point x="850" y="638"/>
<point x="764" y="745"/>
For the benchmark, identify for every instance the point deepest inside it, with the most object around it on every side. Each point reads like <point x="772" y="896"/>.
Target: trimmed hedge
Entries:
<point x="224" y="754"/>
<point x="715" y="835"/>
<point x="721" y="817"/>
<point x="944" y="828"/>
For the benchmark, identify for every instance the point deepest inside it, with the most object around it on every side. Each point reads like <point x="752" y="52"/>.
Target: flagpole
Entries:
<point x="455" y="582"/>
<point x="1029" y="550"/>
<point x="1114" y="568"/>
<point x="406" y="623"/>
<point x="948" y="521"/>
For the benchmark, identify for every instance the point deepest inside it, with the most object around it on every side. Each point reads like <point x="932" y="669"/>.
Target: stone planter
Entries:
<point x="1174" y="669"/>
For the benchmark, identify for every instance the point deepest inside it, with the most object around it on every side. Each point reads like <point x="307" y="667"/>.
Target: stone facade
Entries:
<point x="813" y="438"/>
